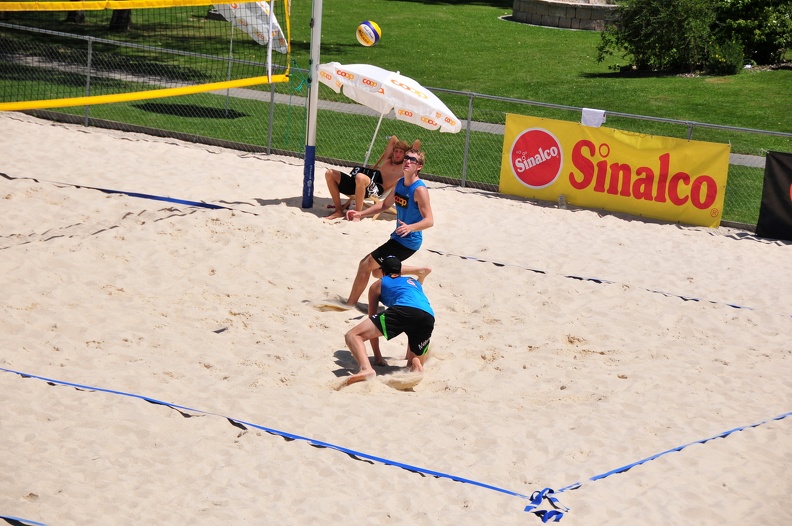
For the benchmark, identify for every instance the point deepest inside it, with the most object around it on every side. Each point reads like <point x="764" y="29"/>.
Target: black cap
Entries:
<point x="390" y="265"/>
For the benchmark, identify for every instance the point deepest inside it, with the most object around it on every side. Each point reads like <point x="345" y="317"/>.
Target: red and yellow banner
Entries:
<point x="658" y="177"/>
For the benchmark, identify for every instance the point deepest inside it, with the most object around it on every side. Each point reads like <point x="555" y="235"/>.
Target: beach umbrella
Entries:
<point x="384" y="91"/>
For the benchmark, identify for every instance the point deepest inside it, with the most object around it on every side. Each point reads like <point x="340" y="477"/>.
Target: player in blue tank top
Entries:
<point x="403" y="291"/>
<point x="413" y="215"/>
<point x="408" y="212"/>
<point x="408" y="312"/>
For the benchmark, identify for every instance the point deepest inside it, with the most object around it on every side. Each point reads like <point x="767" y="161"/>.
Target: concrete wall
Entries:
<point x="580" y="14"/>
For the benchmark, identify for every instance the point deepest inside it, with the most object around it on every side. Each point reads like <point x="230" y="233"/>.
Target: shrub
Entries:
<point x="725" y="58"/>
<point x="764" y="27"/>
<point x="660" y="35"/>
<point x="689" y="35"/>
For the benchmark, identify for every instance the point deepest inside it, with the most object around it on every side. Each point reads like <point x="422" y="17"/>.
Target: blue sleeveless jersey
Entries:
<point x="407" y="212"/>
<point x="404" y="291"/>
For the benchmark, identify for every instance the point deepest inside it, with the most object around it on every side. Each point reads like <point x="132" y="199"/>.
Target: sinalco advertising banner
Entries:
<point x="643" y="175"/>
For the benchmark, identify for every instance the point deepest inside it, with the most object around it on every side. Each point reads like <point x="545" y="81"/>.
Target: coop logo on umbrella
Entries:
<point x="429" y="121"/>
<point x="409" y="88"/>
<point x="536" y="158"/>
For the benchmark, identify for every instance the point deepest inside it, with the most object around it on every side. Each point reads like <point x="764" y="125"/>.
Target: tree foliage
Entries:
<point x="763" y="27"/>
<point x="695" y="35"/>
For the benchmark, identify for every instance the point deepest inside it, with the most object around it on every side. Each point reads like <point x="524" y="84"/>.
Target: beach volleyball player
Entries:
<point x="413" y="215"/>
<point x="408" y="311"/>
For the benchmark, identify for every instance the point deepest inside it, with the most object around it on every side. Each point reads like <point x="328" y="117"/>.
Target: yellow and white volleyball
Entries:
<point x="368" y="33"/>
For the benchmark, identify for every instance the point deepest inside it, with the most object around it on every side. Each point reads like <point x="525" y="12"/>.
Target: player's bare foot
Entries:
<point x="335" y="215"/>
<point x="362" y="376"/>
<point x="416" y="366"/>
<point x="381" y="362"/>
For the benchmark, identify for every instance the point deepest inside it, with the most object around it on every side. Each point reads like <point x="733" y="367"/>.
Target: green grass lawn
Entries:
<point x="466" y="46"/>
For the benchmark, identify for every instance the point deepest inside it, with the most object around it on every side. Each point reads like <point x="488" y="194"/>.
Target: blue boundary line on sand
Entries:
<point x="153" y="197"/>
<point x="537" y="498"/>
<point x="284" y="434"/>
<point x="17" y="521"/>
<point x="672" y="450"/>
<point x="600" y="281"/>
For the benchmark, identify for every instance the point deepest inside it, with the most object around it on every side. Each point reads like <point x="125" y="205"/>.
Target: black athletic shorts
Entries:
<point x="347" y="183"/>
<point x="415" y="323"/>
<point x="392" y="248"/>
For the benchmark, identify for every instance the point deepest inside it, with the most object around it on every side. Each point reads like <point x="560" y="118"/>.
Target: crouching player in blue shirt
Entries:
<point x="408" y="312"/>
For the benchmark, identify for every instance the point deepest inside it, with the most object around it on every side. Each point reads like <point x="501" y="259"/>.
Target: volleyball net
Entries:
<point x="61" y="54"/>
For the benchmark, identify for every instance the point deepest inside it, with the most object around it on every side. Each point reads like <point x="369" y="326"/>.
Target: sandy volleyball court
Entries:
<point x="568" y="344"/>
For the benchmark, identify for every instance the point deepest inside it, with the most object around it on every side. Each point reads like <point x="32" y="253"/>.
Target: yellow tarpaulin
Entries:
<point x="650" y="176"/>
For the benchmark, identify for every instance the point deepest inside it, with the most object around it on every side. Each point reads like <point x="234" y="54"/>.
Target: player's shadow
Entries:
<point x="348" y="365"/>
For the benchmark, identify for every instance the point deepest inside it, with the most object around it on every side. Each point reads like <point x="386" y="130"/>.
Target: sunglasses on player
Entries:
<point x="412" y="159"/>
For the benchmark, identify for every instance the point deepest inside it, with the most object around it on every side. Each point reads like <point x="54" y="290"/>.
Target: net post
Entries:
<point x="313" y="100"/>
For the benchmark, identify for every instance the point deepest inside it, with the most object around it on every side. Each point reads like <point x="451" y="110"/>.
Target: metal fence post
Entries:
<point x="271" y="118"/>
<point x="230" y="63"/>
<point x="467" y="139"/>
<point x="88" y="80"/>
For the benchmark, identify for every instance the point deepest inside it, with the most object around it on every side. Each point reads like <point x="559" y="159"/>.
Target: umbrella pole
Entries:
<point x="365" y="163"/>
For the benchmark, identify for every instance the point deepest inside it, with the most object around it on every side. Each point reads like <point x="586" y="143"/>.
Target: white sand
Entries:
<point x="537" y="380"/>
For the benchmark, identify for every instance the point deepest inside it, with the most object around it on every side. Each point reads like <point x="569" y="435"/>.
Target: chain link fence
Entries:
<point x="272" y="119"/>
